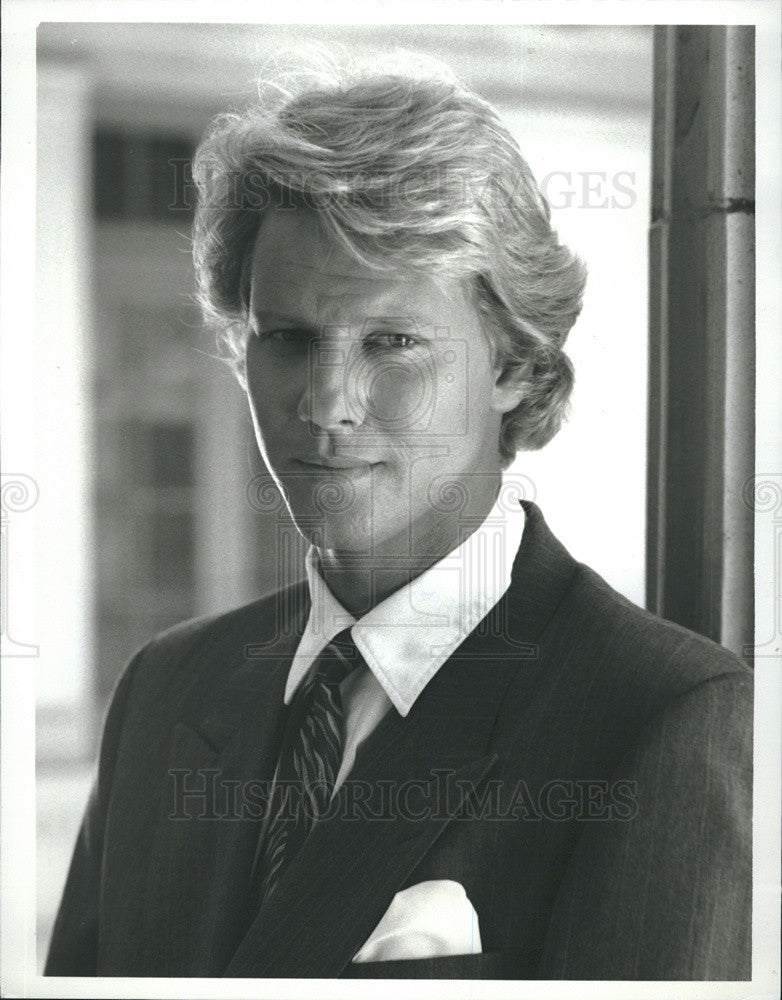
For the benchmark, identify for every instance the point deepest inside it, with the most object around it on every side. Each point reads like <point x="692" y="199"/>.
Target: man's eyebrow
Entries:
<point x="266" y="316"/>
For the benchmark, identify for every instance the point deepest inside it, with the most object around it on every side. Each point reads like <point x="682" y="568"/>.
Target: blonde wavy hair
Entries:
<point x="408" y="171"/>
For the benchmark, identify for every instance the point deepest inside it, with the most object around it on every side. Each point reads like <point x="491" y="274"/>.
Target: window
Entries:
<point x="142" y="176"/>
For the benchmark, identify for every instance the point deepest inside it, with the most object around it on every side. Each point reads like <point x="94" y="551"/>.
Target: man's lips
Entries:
<point x="335" y="463"/>
<point x="343" y="466"/>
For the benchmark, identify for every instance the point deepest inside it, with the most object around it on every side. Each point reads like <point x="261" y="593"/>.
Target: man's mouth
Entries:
<point x="348" y="467"/>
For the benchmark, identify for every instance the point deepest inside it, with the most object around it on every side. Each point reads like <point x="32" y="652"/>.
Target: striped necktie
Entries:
<point x="309" y="761"/>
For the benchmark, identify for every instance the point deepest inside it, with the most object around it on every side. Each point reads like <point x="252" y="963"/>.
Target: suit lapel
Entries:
<point x="205" y="836"/>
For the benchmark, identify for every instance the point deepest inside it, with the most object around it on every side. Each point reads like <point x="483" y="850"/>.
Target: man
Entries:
<point x="452" y="752"/>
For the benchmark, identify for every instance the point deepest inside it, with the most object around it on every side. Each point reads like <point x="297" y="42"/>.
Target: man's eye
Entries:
<point x="394" y="341"/>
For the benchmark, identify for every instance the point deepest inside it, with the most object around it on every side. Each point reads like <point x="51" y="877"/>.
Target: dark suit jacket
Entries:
<point x="597" y="767"/>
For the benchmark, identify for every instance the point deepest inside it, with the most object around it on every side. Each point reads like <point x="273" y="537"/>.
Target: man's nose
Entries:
<point x="333" y="397"/>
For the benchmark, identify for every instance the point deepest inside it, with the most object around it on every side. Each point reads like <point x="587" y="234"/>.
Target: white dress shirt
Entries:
<point x="407" y="637"/>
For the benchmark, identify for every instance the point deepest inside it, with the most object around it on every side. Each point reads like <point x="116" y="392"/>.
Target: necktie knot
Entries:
<point x="339" y="658"/>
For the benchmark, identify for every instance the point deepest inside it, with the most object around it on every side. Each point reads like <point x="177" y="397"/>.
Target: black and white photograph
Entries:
<point x="391" y="500"/>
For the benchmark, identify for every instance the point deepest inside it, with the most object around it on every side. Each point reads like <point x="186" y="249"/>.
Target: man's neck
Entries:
<point x="360" y="580"/>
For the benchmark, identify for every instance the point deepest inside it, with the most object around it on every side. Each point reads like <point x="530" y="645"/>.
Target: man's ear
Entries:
<point x="510" y="387"/>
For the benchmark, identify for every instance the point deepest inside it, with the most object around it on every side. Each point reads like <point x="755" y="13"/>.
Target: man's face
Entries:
<point x="371" y="395"/>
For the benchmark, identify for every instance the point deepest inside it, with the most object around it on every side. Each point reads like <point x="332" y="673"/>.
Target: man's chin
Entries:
<point x="350" y="538"/>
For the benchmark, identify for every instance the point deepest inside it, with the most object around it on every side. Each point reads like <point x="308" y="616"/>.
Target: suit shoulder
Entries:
<point x="195" y="647"/>
<point x="639" y="650"/>
<point x="263" y="612"/>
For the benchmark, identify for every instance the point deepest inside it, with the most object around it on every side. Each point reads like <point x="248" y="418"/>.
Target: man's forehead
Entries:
<point x="284" y="284"/>
<point x="328" y="280"/>
<point x="299" y="240"/>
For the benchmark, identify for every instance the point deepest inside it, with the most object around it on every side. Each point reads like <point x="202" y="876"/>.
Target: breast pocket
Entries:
<point x="487" y="965"/>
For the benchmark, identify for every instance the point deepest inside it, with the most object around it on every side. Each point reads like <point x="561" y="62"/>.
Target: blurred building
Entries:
<point x="146" y="450"/>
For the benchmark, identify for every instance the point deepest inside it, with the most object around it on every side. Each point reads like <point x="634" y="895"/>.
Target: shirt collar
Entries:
<point x="407" y="637"/>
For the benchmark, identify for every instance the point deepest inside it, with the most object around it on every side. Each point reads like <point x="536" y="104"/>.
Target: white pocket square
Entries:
<point x="425" y="921"/>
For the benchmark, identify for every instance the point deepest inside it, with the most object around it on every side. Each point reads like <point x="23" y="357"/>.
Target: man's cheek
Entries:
<point x="401" y="396"/>
<point x="272" y="414"/>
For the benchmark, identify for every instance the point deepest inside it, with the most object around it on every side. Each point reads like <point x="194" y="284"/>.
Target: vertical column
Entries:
<point x="701" y="400"/>
<point x="739" y="412"/>
<point x="63" y="374"/>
